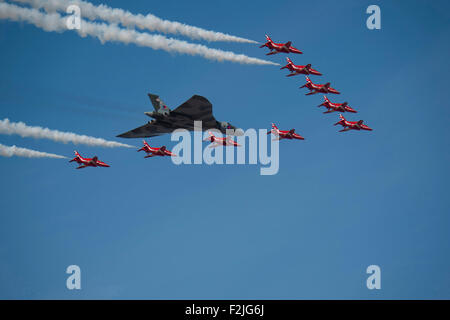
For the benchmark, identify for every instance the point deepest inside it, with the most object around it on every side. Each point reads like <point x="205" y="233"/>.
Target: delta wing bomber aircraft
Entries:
<point x="197" y="108"/>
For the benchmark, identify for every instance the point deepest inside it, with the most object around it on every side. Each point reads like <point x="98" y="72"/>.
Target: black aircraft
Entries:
<point x="197" y="108"/>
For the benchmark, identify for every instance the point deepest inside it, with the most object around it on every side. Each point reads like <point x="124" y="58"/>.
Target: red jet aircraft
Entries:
<point x="351" y="125"/>
<point x="151" y="152"/>
<point x="87" y="162"/>
<point x="279" y="47"/>
<point x="332" y="107"/>
<point x="316" y="88"/>
<point x="284" y="134"/>
<point x="217" y="142"/>
<point x="295" y="70"/>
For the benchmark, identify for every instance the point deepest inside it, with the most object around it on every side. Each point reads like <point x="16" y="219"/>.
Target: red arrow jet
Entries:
<point x="316" y="88"/>
<point x="151" y="152"/>
<point x="217" y="142"/>
<point x="279" y="47"/>
<point x="351" y="125"/>
<point x="284" y="134"/>
<point x="332" y="107"/>
<point x="87" y="162"/>
<point x="295" y="70"/>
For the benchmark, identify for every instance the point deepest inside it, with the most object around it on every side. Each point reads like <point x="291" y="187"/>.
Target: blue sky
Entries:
<point x="147" y="229"/>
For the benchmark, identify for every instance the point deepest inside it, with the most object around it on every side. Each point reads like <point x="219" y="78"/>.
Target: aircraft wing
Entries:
<point x="196" y="108"/>
<point x="150" y="129"/>
<point x="156" y="101"/>
<point x="215" y="145"/>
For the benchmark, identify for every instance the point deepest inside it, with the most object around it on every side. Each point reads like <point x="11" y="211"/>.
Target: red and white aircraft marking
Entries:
<point x="332" y="107"/>
<point x="87" y="162"/>
<point x="296" y="69"/>
<point x="284" y="134"/>
<point x="217" y="141"/>
<point x="316" y="88"/>
<point x="279" y="47"/>
<point x="151" y="152"/>
<point x="351" y="125"/>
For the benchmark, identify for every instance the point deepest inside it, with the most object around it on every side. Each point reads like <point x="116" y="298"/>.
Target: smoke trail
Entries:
<point x="23" y="130"/>
<point x="105" y="32"/>
<point x="9" y="151"/>
<point x="127" y="19"/>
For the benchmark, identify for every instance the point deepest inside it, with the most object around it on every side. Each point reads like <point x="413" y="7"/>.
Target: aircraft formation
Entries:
<point x="315" y="87"/>
<point x="198" y="108"/>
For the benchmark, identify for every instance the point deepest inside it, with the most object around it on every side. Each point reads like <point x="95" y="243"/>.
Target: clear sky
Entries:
<point x="148" y="229"/>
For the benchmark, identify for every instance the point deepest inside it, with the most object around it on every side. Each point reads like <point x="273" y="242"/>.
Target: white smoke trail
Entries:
<point x="105" y="32"/>
<point x="127" y="19"/>
<point x="23" y="130"/>
<point x="9" y="151"/>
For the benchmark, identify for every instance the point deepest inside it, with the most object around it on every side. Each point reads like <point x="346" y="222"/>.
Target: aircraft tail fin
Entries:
<point x="289" y="63"/>
<point x="268" y="38"/>
<point x="154" y="99"/>
<point x="157" y="102"/>
<point x="288" y="44"/>
<point x="341" y="117"/>
<point x="145" y="145"/>
<point x="210" y="138"/>
<point x="274" y="126"/>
